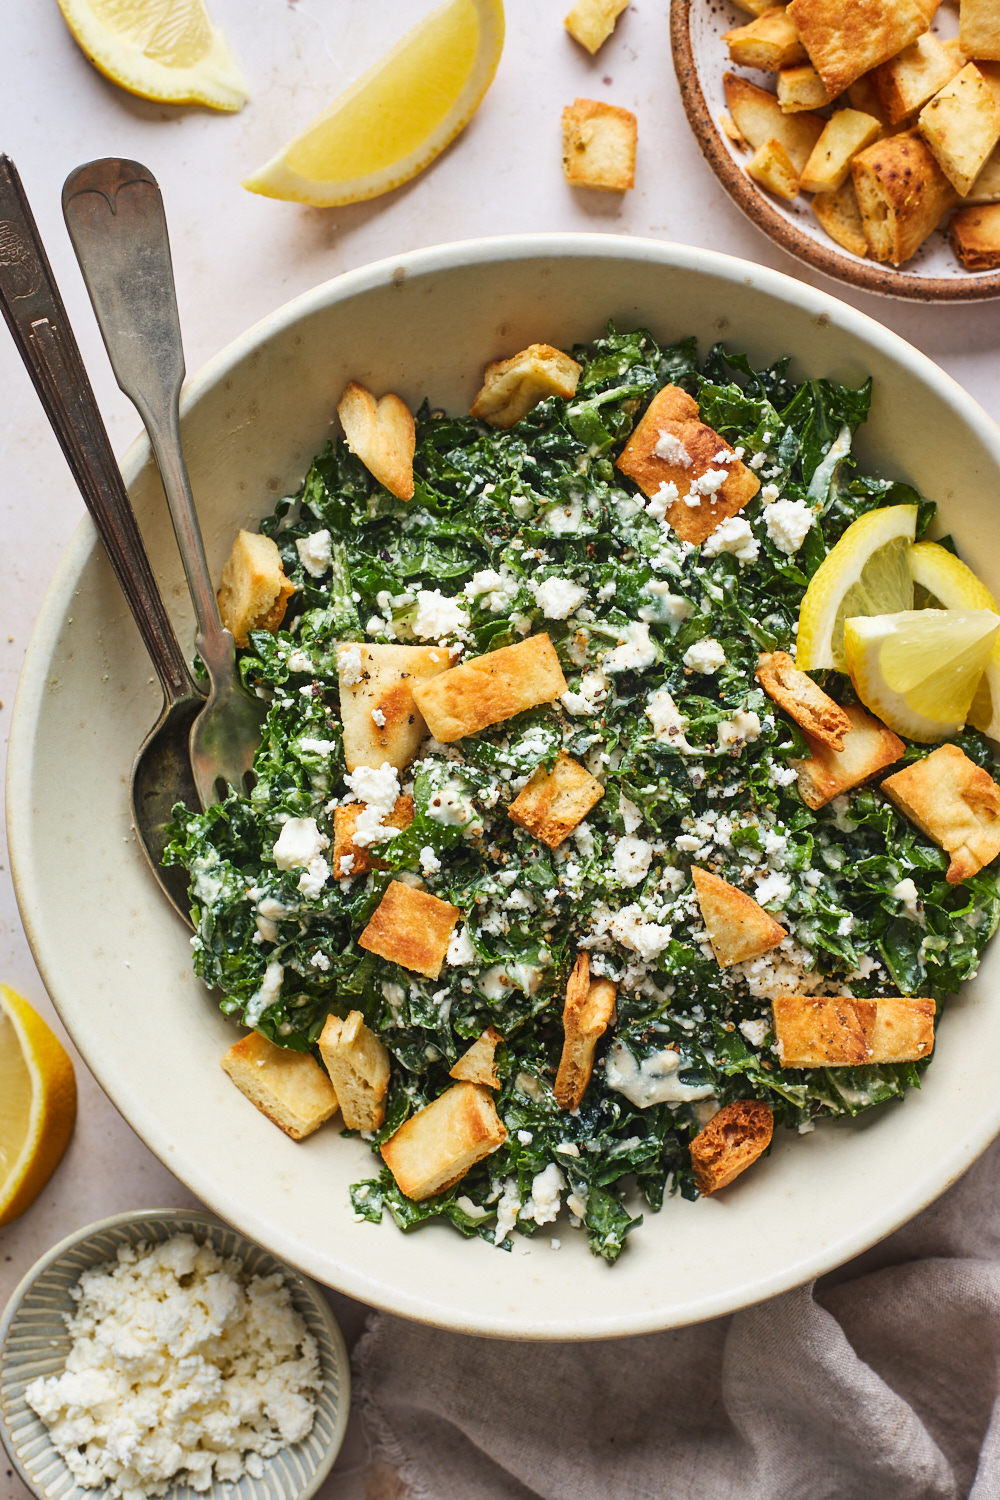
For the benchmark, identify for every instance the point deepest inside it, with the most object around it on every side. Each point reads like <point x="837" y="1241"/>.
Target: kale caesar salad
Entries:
<point x="618" y="798"/>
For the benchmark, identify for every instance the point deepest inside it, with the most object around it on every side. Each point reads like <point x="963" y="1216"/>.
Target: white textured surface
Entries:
<point x="238" y="256"/>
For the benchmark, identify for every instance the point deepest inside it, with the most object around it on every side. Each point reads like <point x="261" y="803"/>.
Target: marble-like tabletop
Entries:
<point x="238" y="256"/>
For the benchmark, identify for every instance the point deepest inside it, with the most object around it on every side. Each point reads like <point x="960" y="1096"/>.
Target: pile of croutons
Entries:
<point x="911" y="124"/>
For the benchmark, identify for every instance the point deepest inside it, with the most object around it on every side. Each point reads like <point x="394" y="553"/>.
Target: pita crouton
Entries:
<point x="767" y="43"/>
<point x="986" y="188"/>
<point x="380" y="719"/>
<point x="863" y="95"/>
<point x="673" y="455"/>
<point x="290" y="1088"/>
<point x="975" y="235"/>
<point x="760" y="118"/>
<point x="732" y="1140"/>
<point x="738" y="928"/>
<point x="771" y="168"/>
<point x="599" y="142"/>
<point x="488" y="689"/>
<point x="587" y="1013"/>
<point x="411" y="928"/>
<point x="844" y="41"/>
<point x="800" y="87"/>
<point x="358" y="1065"/>
<point x="555" y="802"/>
<point x="906" y="82"/>
<point x="840" y="216"/>
<point x="979" y="28"/>
<point x="382" y="434"/>
<point x="513" y="387"/>
<point x="253" y="590"/>
<point x="351" y="859"/>
<point x="819" y="1031"/>
<point x="434" y="1148"/>
<point x="961" y="125"/>
<point x="954" y="802"/>
<point x="795" y="692"/>
<point x="846" y="132"/>
<point x="903" y="1030"/>
<point x="902" y="194"/>
<point x="868" y="748"/>
<point x="591" y="22"/>
<point x="478" y="1063"/>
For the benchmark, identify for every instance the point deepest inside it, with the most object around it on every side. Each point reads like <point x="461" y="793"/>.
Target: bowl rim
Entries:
<point x="867" y="275"/>
<point x="299" y="1284"/>
<point x="351" y="1280"/>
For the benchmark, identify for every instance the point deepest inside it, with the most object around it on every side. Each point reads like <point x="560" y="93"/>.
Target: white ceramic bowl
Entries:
<point x="116" y="959"/>
<point x="34" y="1341"/>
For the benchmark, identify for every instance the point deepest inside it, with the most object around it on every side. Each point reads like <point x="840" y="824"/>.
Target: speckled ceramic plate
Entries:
<point x="701" y="58"/>
<point x="34" y="1341"/>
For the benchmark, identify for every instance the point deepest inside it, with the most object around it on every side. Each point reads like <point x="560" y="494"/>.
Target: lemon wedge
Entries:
<point x="398" y="117"/>
<point x="918" y="670"/>
<point x="943" y="581"/>
<point x="37" y="1104"/>
<point x="167" y="50"/>
<point x="866" y="573"/>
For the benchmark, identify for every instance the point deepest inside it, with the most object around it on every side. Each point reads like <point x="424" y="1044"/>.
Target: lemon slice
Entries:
<point x="394" y="121"/>
<point x="166" y="50"/>
<point x="37" y="1104"/>
<point x="864" y="574"/>
<point x="943" y="581"/>
<point x="918" y="670"/>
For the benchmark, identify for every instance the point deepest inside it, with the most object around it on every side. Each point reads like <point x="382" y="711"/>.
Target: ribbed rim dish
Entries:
<point x="34" y="1341"/>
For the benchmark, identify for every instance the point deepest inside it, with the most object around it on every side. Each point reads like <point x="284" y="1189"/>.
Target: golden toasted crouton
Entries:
<point x="753" y="7"/>
<point x="956" y="803"/>
<point x="587" y="1013"/>
<point x="771" y="168"/>
<point x="844" y="41"/>
<point x="795" y="692"/>
<point x="732" y="131"/>
<point x="434" y="1148"/>
<point x="349" y="858"/>
<point x="358" y="1065"/>
<point x="868" y="748"/>
<point x="846" y="132"/>
<point x="591" y="22"/>
<point x="840" y="216"/>
<point x="738" y="928"/>
<point x="478" y="1063"/>
<point x="380" y="719"/>
<point x="289" y="1087"/>
<point x="555" y="802"/>
<point x="986" y="188"/>
<point x="253" y="590"/>
<point x="863" y="95"/>
<point x="382" y="434"/>
<point x="732" y="1140"/>
<point x="760" y="118"/>
<point x="513" y="387"/>
<point x="672" y="447"/>
<point x="930" y="9"/>
<point x="961" y="125"/>
<point x="819" y="1031"/>
<point x="768" y="43"/>
<point x="902" y="193"/>
<point x="488" y="689"/>
<point x="979" y="28"/>
<point x="906" y="82"/>
<point x="975" y="235"/>
<point x="799" y="88"/>
<point x="599" y="143"/>
<point x="411" y="928"/>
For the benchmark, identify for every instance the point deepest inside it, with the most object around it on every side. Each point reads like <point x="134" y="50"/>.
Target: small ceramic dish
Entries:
<point x="701" y="59"/>
<point x="34" y="1341"/>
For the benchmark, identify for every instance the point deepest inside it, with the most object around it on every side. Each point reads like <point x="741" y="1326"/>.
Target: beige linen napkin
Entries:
<point x="879" y="1382"/>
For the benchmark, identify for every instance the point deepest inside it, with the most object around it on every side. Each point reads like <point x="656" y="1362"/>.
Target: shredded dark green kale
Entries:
<point x="495" y="514"/>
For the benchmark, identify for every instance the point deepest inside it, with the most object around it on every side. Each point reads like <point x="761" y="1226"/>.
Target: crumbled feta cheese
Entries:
<point x="632" y="931"/>
<point x="593" y="690"/>
<point x="773" y="890"/>
<point x="755" y="1031"/>
<point x="631" y="813"/>
<point x="906" y="892"/>
<point x="460" y="949"/>
<point x="495" y="590"/>
<point x="378" y="789"/>
<point x="732" y="535"/>
<point x="788" y="524"/>
<point x="658" y="505"/>
<point x="299" y="661"/>
<point x="429" y="862"/>
<point x="300" y="845"/>
<point x="667" y="720"/>
<point x="708" y="484"/>
<point x="315" y="552"/>
<point x="349" y="661"/>
<point x="345" y="865"/>
<point x="546" y="1189"/>
<point x="437" y="616"/>
<point x="632" y="860"/>
<point x="705" y="656"/>
<point x="508" y="1209"/>
<point x="557" y="598"/>
<point x="320" y="961"/>
<point x="636" y="652"/>
<point x="670" y="448"/>
<point x="378" y="718"/>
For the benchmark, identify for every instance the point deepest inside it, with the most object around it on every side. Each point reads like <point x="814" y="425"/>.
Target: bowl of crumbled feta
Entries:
<point x="163" y="1353"/>
<point x="490" y="972"/>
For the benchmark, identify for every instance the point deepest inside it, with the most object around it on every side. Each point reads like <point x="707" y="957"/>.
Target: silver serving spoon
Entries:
<point x="34" y="312"/>
<point x="115" y="217"/>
